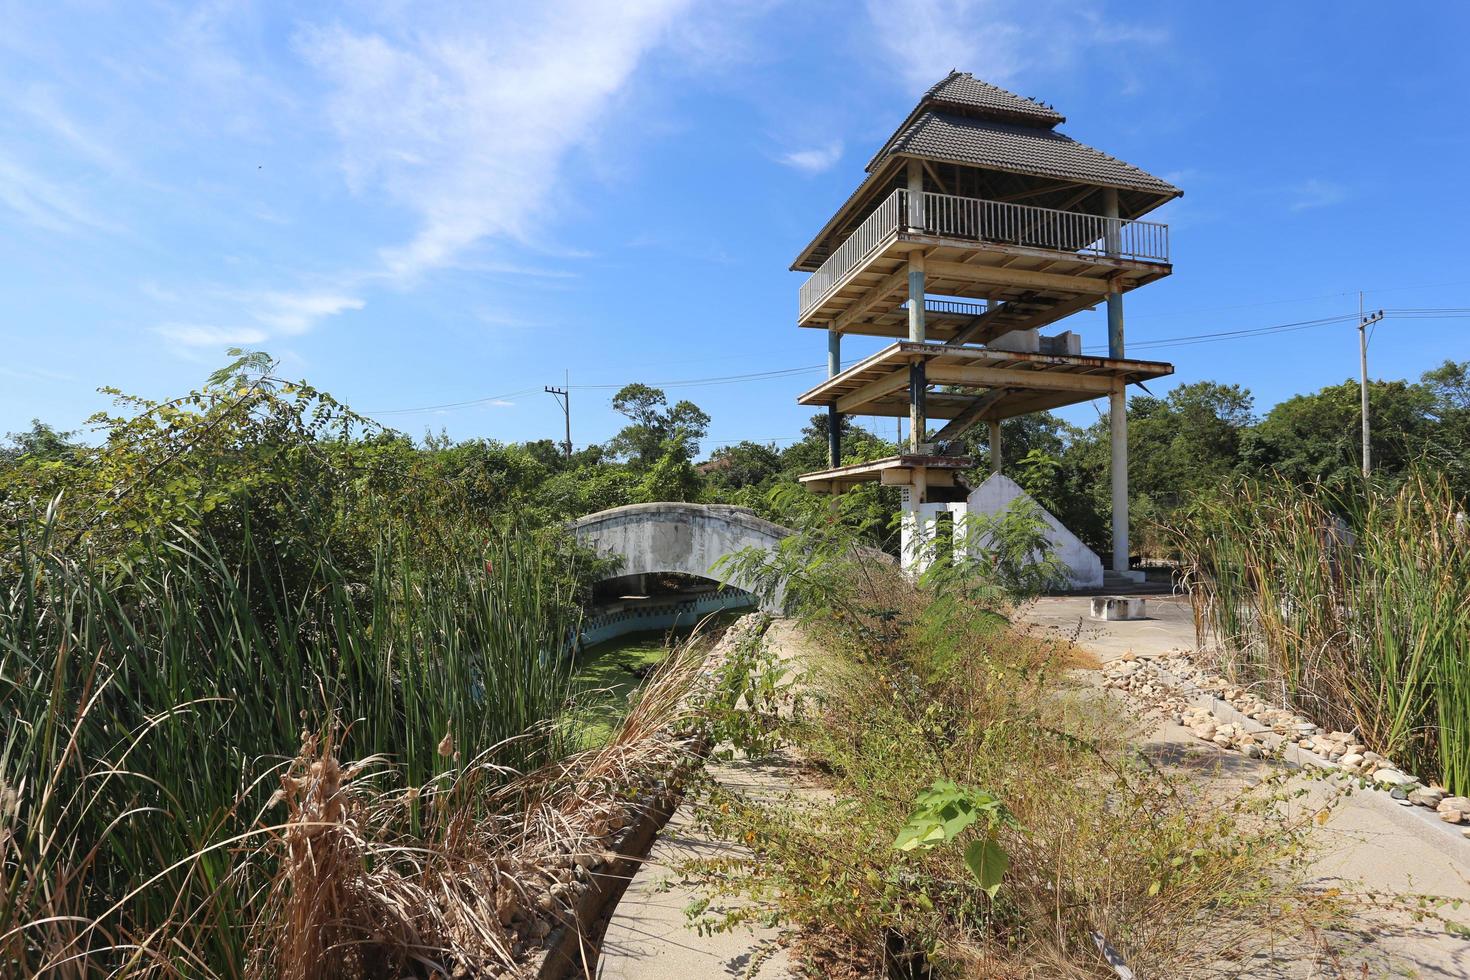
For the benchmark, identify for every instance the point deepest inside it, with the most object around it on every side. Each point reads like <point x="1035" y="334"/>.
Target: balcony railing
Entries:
<point x="979" y="220"/>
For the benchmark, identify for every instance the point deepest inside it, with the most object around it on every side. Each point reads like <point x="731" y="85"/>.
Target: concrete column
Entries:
<point x="917" y="382"/>
<point x="834" y="419"/>
<point x="916" y="297"/>
<point x="1115" y="299"/>
<point x="995" y="446"/>
<point x="918" y="386"/>
<point x="1117" y="401"/>
<point x="1118" y="419"/>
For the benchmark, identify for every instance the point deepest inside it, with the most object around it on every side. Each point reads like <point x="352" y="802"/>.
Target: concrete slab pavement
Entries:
<point x="1370" y="844"/>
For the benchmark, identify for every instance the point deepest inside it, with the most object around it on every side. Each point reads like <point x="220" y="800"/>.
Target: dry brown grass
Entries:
<point x="449" y="878"/>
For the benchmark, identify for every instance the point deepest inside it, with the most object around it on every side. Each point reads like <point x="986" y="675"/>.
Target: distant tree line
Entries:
<point x="295" y="445"/>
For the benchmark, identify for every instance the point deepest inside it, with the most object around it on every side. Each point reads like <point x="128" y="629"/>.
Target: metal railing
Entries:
<point x="976" y="219"/>
<point x="868" y="236"/>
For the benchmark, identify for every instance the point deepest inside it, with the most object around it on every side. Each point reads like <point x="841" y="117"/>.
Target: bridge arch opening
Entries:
<point x="668" y="557"/>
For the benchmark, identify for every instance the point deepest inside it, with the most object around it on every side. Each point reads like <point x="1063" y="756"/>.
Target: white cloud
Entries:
<point x="463" y="121"/>
<point x="816" y="159"/>
<point x="997" y="40"/>
<point x="1317" y="193"/>
<point x="295" y="313"/>
<point x="200" y="335"/>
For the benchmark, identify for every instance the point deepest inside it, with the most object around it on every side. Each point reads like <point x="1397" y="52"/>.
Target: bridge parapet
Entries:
<point x="684" y="538"/>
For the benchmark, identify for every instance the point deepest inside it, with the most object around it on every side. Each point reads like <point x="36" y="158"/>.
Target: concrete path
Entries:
<point x="648" y="937"/>
<point x="1369" y="843"/>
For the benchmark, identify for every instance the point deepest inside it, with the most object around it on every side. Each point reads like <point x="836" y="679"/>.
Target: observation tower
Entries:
<point x="978" y="225"/>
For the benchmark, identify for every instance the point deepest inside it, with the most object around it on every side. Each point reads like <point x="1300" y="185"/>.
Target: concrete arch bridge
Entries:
<point x="686" y="539"/>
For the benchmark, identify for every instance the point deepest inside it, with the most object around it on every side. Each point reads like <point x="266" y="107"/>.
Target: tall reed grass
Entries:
<point x="1355" y="610"/>
<point x="149" y="710"/>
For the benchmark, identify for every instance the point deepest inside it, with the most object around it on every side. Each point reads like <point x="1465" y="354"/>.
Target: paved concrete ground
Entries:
<point x="1369" y="843"/>
<point x="649" y="937"/>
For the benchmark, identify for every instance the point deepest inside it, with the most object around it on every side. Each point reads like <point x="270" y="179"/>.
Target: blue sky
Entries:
<point x="414" y="205"/>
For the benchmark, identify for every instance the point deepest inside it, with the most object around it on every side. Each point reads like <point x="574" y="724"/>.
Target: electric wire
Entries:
<point x="1432" y="313"/>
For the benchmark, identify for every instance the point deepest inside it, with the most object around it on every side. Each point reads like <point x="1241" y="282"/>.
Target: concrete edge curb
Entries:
<point x="1443" y="837"/>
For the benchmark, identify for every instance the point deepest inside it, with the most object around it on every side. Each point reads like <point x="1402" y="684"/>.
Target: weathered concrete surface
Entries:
<point x="1114" y="607"/>
<point x="649" y="937"/>
<point x="1369" y="844"/>
<point x="676" y="537"/>
<point x="1084" y="568"/>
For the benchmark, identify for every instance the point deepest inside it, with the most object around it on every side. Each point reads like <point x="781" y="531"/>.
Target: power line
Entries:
<point x="1155" y="344"/>
<point x="464" y="404"/>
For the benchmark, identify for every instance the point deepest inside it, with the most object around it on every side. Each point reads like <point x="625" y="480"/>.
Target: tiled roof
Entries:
<point x="963" y="91"/>
<point x="1018" y="149"/>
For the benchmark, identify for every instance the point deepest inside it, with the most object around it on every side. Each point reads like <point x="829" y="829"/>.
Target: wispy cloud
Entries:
<point x="295" y="313"/>
<point x="1316" y="193"/>
<point x="193" y="335"/>
<point x="814" y="160"/>
<point x="464" y="121"/>
<point x="998" y="40"/>
<point x="44" y="202"/>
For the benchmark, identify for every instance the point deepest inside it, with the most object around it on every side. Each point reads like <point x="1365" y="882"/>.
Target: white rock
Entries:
<point x="1351" y="761"/>
<point x="1460" y="804"/>
<point x="1391" y="777"/>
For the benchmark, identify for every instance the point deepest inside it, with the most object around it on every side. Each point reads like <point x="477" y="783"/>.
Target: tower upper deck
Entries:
<point x="1003" y="208"/>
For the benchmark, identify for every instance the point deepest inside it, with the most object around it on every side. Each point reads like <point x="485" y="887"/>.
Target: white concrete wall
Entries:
<point x="998" y="492"/>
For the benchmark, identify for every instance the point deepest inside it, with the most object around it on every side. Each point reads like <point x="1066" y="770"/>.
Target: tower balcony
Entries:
<point x="1031" y="265"/>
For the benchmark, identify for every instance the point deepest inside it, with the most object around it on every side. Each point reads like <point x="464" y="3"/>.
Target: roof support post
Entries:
<point x="834" y="417"/>
<point x="915" y="217"/>
<point x="995" y="446"/>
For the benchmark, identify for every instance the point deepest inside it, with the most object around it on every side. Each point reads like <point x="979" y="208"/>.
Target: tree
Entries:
<point x="41" y="444"/>
<point x="1448" y="441"/>
<point x="745" y="464"/>
<point x="657" y="428"/>
<point x="1317" y="437"/>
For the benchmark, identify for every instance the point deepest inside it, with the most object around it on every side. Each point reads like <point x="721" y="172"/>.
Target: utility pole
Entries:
<point x="563" y="395"/>
<point x="1364" y="322"/>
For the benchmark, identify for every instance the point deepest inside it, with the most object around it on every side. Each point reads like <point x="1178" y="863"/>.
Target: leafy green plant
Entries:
<point x="946" y="810"/>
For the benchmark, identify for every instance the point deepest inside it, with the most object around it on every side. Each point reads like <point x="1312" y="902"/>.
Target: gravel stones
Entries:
<point x="1172" y="688"/>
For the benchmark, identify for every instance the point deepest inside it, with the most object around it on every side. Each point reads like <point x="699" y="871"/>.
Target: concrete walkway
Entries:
<point x="1370" y="843"/>
<point x="648" y="937"/>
